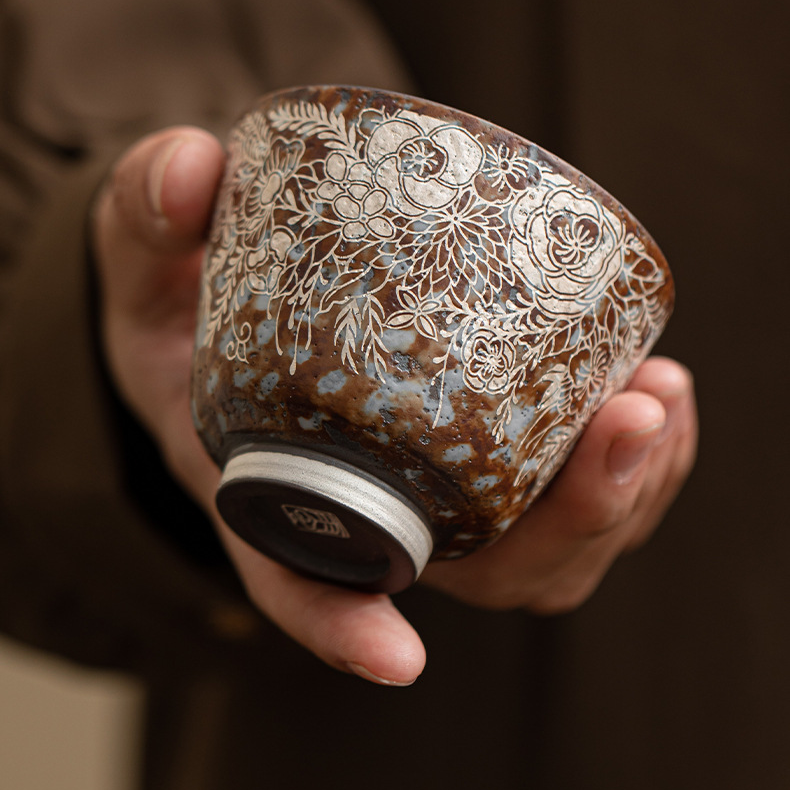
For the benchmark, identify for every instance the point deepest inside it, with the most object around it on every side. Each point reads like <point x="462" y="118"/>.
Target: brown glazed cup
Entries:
<point x="408" y="316"/>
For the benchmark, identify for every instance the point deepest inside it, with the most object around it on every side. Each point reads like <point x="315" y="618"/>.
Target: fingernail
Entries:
<point x="365" y="673"/>
<point x="629" y="451"/>
<point x="674" y="400"/>
<point x="673" y="406"/>
<point x="672" y="409"/>
<point x="156" y="175"/>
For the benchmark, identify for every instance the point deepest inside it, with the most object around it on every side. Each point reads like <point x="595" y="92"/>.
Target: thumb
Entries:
<point x="148" y="230"/>
<point x="151" y="218"/>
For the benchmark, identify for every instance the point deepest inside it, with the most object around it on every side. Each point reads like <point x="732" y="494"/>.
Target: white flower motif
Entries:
<point x="341" y="174"/>
<point x="393" y="226"/>
<point x="422" y="167"/>
<point x="488" y="358"/>
<point x="461" y="243"/>
<point x="260" y="192"/>
<point x="568" y="247"/>
<point x="505" y="171"/>
<point x="590" y="369"/>
<point x="362" y="215"/>
<point x="359" y="205"/>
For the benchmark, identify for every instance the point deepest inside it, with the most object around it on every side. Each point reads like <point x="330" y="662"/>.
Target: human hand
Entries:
<point x="149" y="228"/>
<point x="624" y="473"/>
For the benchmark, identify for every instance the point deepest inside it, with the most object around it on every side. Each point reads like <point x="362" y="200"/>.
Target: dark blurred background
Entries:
<point x="681" y="109"/>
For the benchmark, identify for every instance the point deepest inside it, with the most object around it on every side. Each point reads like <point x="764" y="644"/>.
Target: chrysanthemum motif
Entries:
<point x="462" y="243"/>
<point x="422" y="163"/>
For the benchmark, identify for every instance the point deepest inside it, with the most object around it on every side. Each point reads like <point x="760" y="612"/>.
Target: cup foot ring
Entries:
<point x="324" y="517"/>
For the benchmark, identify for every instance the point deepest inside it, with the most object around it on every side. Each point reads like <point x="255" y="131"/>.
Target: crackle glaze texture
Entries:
<point x="405" y="286"/>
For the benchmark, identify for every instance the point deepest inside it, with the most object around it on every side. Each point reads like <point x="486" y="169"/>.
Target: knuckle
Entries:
<point x="499" y="601"/>
<point x="559" y="600"/>
<point x="601" y="518"/>
<point x="118" y="186"/>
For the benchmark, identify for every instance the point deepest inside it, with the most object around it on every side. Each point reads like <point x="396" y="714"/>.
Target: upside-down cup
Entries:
<point x="408" y="316"/>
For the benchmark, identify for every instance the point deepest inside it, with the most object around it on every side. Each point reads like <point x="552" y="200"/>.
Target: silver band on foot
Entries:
<point x="324" y="517"/>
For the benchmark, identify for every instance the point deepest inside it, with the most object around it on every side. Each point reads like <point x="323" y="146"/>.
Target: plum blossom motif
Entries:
<point x="568" y="247"/>
<point x="489" y="358"/>
<point x="504" y="172"/>
<point x="422" y="165"/>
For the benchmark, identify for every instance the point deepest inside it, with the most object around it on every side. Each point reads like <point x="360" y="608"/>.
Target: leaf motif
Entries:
<point x="645" y="279"/>
<point x="334" y="295"/>
<point x="632" y="242"/>
<point x="308" y="119"/>
<point x="400" y="320"/>
<point x="408" y="299"/>
<point x="347" y="354"/>
<point x="554" y="376"/>
<point x="347" y="323"/>
<point x="426" y="327"/>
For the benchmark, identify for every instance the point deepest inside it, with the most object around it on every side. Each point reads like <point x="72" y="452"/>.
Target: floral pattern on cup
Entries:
<point x="390" y="220"/>
<point x="569" y="248"/>
<point x="421" y="163"/>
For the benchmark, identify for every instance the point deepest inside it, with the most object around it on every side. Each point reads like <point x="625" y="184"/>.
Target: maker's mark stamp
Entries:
<point x="318" y="522"/>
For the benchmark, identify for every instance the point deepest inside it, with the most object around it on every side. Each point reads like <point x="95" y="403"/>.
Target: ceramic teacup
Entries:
<point x="408" y="316"/>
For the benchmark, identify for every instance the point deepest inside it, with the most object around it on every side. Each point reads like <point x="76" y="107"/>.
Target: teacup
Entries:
<point x="408" y="316"/>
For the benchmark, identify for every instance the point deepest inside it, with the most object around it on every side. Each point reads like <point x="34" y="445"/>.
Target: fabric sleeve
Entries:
<point x="86" y="568"/>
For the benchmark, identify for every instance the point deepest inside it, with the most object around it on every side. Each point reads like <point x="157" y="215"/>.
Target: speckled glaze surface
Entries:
<point x="419" y="293"/>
